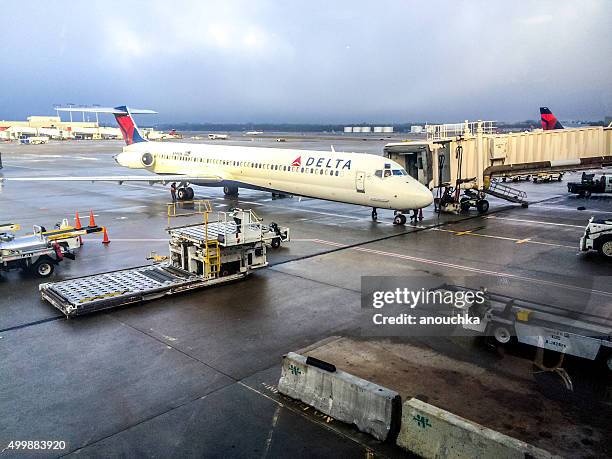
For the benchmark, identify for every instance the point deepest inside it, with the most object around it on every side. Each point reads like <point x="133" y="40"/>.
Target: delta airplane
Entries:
<point x="353" y="178"/>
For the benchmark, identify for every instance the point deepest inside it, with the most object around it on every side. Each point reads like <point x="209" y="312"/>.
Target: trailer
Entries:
<point x="546" y="177"/>
<point x="201" y="255"/>
<point x="547" y="327"/>
<point x="42" y="250"/>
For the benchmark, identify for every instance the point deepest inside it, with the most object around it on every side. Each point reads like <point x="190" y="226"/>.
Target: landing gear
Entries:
<point x="185" y="193"/>
<point x="399" y="219"/>
<point x="374" y="214"/>
<point x="230" y="190"/>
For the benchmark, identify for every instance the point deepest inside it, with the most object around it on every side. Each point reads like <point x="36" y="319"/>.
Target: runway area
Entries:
<point x="193" y="375"/>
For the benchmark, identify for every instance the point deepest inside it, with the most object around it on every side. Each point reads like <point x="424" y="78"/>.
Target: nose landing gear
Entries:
<point x="399" y="219"/>
<point x="374" y="214"/>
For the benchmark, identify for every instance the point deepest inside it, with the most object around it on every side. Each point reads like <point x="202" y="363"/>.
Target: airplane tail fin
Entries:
<point x="549" y="121"/>
<point x="123" y="115"/>
<point x="128" y="127"/>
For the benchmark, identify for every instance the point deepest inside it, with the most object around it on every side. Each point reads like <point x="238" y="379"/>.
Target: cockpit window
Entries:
<point x="399" y="172"/>
<point x="378" y="173"/>
<point x="387" y="172"/>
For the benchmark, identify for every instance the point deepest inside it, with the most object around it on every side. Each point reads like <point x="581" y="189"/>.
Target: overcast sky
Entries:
<point x="310" y="61"/>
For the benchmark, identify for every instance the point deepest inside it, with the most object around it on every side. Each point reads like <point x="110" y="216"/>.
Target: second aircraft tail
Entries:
<point x="549" y="120"/>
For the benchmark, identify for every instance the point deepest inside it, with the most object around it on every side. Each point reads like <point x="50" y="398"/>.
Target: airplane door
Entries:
<point x="360" y="182"/>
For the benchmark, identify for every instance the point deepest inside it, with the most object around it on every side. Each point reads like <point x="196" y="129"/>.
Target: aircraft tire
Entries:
<point x="399" y="219"/>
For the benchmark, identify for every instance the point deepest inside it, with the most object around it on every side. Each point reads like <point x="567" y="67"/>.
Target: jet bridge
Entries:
<point x="486" y="155"/>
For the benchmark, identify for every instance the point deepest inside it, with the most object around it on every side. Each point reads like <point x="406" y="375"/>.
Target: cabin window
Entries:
<point x="337" y="173"/>
<point x="321" y="171"/>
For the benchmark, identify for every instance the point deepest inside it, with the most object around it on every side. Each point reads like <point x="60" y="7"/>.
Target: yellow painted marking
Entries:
<point x="503" y="238"/>
<point x="462" y="233"/>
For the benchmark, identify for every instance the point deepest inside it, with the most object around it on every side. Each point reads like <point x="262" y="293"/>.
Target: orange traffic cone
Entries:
<point x="105" y="240"/>
<point x="92" y="221"/>
<point x="77" y="225"/>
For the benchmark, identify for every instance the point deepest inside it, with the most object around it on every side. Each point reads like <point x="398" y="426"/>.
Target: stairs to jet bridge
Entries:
<point x="508" y="193"/>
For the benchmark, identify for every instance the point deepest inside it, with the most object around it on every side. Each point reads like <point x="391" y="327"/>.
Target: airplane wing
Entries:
<point x="161" y="179"/>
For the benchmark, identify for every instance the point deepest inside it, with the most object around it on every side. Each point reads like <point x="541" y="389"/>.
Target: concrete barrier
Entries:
<point x="372" y="408"/>
<point x="431" y="432"/>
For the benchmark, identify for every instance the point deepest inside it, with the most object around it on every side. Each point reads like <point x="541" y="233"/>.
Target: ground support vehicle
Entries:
<point x="589" y="185"/>
<point x="42" y="250"/>
<point x="598" y="236"/>
<point x="547" y="327"/>
<point x="200" y="255"/>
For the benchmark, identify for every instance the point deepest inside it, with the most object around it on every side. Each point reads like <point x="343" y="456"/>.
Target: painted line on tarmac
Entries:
<point x="534" y="221"/>
<point x="571" y="209"/>
<point x="503" y="238"/>
<point x="466" y="268"/>
<point x="21" y="167"/>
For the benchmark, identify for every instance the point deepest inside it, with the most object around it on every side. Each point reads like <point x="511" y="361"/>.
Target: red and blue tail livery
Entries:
<point x="123" y="115"/>
<point x="549" y="121"/>
<point x="127" y="125"/>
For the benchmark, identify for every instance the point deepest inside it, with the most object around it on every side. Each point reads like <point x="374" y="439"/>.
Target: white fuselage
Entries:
<point x="354" y="178"/>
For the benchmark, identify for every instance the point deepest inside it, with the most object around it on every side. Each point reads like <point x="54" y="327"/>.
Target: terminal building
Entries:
<point x="54" y="128"/>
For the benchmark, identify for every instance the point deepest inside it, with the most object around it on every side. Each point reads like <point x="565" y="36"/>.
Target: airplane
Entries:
<point x="353" y="178"/>
<point x="549" y="121"/>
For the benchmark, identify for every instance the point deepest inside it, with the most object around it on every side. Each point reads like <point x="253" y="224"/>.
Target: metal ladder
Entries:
<point x="499" y="190"/>
<point x="213" y="260"/>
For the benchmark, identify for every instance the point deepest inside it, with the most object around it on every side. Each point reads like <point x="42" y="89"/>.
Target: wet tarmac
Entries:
<point x="187" y="376"/>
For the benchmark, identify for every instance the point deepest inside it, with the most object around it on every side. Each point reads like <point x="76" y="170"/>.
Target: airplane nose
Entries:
<point x="418" y="195"/>
<point x="424" y="198"/>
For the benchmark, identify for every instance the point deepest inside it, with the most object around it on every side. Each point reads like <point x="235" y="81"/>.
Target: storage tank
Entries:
<point x="378" y="129"/>
<point x="348" y="129"/>
<point x="356" y="128"/>
<point x="388" y="129"/>
<point x="366" y="129"/>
